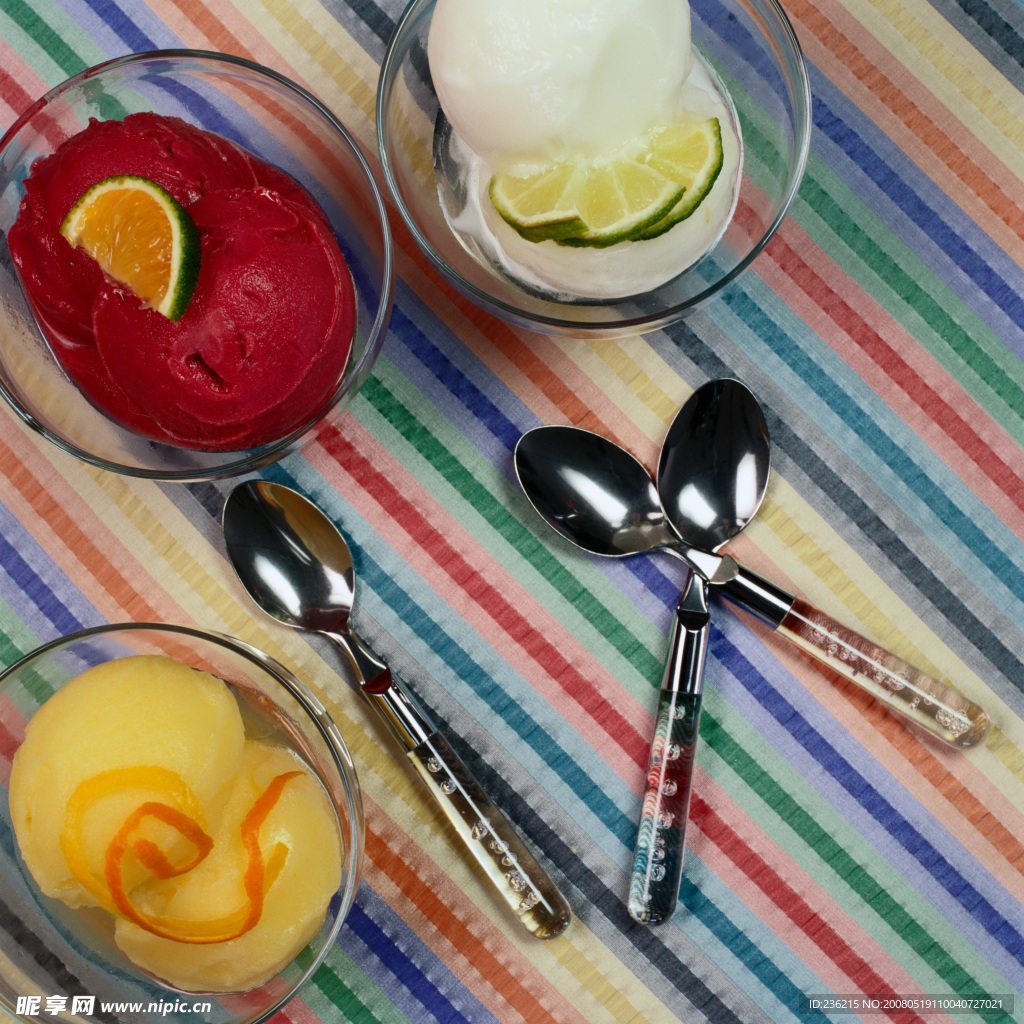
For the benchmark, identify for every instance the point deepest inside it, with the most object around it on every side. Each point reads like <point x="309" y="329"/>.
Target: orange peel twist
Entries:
<point x="183" y="813"/>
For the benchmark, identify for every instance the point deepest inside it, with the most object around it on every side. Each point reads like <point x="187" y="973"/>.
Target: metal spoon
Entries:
<point x="296" y="565"/>
<point x="720" y="435"/>
<point x="601" y="498"/>
<point x="713" y="473"/>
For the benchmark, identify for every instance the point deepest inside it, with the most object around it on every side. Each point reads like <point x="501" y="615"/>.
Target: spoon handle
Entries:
<point x="482" y="828"/>
<point x="491" y="839"/>
<point x="661" y="838"/>
<point x="931" y="704"/>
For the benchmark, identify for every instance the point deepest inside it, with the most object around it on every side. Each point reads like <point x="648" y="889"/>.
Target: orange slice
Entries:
<point x="141" y="237"/>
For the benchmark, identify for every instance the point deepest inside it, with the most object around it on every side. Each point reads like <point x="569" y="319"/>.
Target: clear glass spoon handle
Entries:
<point x="933" y="705"/>
<point x="487" y="834"/>
<point x="938" y="708"/>
<point x="661" y="837"/>
<point x="482" y="829"/>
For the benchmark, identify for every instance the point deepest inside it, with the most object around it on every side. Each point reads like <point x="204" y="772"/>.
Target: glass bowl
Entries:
<point x="61" y="964"/>
<point x="269" y="116"/>
<point x="752" y="49"/>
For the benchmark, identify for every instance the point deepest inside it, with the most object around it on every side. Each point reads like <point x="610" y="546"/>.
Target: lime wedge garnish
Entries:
<point x="637" y="192"/>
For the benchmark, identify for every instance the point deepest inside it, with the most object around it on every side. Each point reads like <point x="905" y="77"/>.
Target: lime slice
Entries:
<point x="693" y="154"/>
<point x="638" y="192"/>
<point x="540" y="206"/>
<point x="141" y="237"/>
<point x="595" y="202"/>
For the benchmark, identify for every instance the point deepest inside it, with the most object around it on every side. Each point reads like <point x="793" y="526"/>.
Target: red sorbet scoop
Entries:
<point x="269" y="329"/>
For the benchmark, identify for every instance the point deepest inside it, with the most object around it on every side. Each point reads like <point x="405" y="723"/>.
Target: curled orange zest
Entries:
<point x="167" y="783"/>
<point x="255" y="880"/>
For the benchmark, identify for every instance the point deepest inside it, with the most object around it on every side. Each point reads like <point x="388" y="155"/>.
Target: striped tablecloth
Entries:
<point x="831" y="849"/>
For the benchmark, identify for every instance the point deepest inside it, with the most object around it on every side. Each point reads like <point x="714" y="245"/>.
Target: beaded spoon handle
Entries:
<point x="661" y="838"/>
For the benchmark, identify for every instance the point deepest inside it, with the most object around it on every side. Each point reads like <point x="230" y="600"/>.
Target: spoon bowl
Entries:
<point x="714" y="465"/>
<point x="591" y="492"/>
<point x="290" y="557"/>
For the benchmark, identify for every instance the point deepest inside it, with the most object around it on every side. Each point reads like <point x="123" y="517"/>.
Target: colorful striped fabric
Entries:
<point x="832" y="850"/>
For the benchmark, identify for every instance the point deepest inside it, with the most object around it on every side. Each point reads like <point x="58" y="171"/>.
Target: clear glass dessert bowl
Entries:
<point x="749" y="46"/>
<point x="61" y="964"/>
<point x="270" y="117"/>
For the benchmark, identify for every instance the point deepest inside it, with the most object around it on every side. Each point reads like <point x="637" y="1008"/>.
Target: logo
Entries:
<point x="43" y="1006"/>
<point x="31" y="1006"/>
